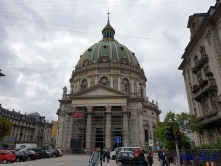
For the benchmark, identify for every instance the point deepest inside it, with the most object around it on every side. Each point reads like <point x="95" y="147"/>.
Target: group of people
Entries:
<point x="98" y="155"/>
<point x="165" y="157"/>
<point x="145" y="157"/>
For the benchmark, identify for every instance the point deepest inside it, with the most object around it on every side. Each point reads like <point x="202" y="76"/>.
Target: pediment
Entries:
<point x="99" y="90"/>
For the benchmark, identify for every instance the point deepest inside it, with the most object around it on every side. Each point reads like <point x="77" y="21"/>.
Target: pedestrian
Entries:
<point x="150" y="156"/>
<point x="101" y="156"/>
<point x="92" y="150"/>
<point x="141" y="158"/>
<point x="104" y="155"/>
<point x="95" y="156"/>
<point x="168" y="157"/>
<point x="162" y="157"/>
<point x="108" y="155"/>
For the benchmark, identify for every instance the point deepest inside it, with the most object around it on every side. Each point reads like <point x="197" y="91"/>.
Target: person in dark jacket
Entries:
<point x="141" y="158"/>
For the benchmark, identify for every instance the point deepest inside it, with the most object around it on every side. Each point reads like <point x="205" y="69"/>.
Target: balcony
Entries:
<point x="205" y="88"/>
<point x="200" y="63"/>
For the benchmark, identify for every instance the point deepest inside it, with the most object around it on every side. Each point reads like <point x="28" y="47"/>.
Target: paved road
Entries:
<point x="65" y="160"/>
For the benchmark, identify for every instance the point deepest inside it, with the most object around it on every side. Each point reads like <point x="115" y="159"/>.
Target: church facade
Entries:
<point x="107" y="98"/>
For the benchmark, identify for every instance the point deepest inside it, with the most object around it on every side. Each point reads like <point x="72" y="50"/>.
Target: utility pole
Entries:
<point x="178" y="154"/>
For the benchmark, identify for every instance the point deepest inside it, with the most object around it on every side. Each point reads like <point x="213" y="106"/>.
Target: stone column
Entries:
<point x="88" y="129"/>
<point x="141" y="129"/>
<point x="125" y="127"/>
<point x="108" y="128"/>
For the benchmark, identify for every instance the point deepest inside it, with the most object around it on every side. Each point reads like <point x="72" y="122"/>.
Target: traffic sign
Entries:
<point x="117" y="139"/>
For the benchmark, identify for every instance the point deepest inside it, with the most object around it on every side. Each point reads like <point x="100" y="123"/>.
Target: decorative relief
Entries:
<point x="86" y="61"/>
<point x="114" y="71"/>
<point x="104" y="58"/>
<point x="207" y="37"/>
<point x="124" y="60"/>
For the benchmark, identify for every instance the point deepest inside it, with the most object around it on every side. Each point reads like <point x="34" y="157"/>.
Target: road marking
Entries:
<point x="111" y="162"/>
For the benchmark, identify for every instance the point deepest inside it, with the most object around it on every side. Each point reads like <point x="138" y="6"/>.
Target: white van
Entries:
<point x="121" y="149"/>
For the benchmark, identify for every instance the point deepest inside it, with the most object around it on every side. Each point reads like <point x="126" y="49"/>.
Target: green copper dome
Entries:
<point x="108" y="50"/>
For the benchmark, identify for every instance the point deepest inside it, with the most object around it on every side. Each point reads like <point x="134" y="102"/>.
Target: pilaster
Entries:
<point x="125" y="127"/>
<point x="108" y="128"/>
<point x="88" y="128"/>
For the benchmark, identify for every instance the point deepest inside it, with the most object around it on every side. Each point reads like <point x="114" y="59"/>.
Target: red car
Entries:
<point x="7" y="156"/>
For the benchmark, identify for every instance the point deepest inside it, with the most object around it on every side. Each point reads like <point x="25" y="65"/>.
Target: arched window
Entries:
<point x="104" y="80"/>
<point x="205" y="106"/>
<point x="213" y="99"/>
<point x="125" y="85"/>
<point x="83" y="84"/>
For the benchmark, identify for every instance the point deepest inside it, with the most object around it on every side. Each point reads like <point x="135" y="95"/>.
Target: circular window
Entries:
<point x="104" y="59"/>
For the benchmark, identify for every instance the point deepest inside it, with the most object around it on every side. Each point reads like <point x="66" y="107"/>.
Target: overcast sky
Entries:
<point x="38" y="58"/>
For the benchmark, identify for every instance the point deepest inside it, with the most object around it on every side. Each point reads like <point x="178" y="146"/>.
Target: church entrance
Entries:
<point x="100" y="138"/>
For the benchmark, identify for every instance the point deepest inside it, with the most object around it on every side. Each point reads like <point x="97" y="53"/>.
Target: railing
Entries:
<point x="200" y="63"/>
<point x="199" y="157"/>
<point x="208" y="86"/>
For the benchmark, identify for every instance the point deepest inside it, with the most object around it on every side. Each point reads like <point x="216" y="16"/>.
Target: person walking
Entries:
<point x="108" y="155"/>
<point x="150" y="157"/>
<point x="95" y="157"/>
<point x="92" y="150"/>
<point x="168" y="157"/>
<point x="101" y="156"/>
<point x="162" y="157"/>
<point x="141" y="158"/>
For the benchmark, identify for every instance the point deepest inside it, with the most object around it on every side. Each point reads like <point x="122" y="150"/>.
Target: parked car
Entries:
<point x="21" y="156"/>
<point x="60" y="152"/>
<point x="49" y="154"/>
<point x="40" y="151"/>
<point x="31" y="155"/>
<point x="55" y="153"/>
<point x="125" y="158"/>
<point x="7" y="156"/>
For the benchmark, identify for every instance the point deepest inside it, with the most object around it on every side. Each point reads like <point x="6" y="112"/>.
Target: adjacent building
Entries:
<point x="107" y="98"/>
<point x="201" y="68"/>
<point x="30" y="128"/>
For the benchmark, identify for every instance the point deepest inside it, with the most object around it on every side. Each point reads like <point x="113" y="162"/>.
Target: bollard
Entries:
<point x="207" y="163"/>
<point x="212" y="164"/>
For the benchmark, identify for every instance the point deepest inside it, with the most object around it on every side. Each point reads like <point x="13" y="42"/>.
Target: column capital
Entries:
<point x="89" y="109"/>
<point x="108" y="108"/>
<point x="125" y="108"/>
<point x="140" y="112"/>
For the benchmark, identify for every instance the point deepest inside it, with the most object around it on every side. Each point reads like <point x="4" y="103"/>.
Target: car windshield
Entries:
<point x="131" y="155"/>
<point x="123" y="154"/>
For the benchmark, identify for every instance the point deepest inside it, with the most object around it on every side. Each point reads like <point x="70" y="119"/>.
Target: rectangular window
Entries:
<point x="146" y="136"/>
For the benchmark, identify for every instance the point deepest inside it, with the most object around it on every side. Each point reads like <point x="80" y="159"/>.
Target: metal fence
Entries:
<point x="189" y="157"/>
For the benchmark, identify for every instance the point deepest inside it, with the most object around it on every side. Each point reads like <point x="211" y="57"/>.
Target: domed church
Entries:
<point x="107" y="98"/>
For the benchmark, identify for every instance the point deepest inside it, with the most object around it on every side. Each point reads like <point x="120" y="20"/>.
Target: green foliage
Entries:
<point x="214" y="145"/>
<point x="5" y="128"/>
<point x="184" y="122"/>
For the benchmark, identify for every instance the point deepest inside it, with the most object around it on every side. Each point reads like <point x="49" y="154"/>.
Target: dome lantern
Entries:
<point x="108" y="31"/>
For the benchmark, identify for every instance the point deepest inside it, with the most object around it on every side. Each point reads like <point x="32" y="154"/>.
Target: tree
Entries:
<point x="184" y="122"/>
<point x="5" y="128"/>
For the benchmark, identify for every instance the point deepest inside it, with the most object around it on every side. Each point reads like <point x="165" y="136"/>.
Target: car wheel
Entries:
<point x="4" y="161"/>
<point x="113" y="157"/>
<point x="18" y="159"/>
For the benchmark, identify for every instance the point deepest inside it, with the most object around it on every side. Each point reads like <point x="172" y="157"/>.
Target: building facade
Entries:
<point x="107" y="98"/>
<point x="30" y="128"/>
<point x="201" y="68"/>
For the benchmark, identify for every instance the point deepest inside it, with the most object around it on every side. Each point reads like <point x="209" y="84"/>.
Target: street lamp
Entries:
<point x="1" y="73"/>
